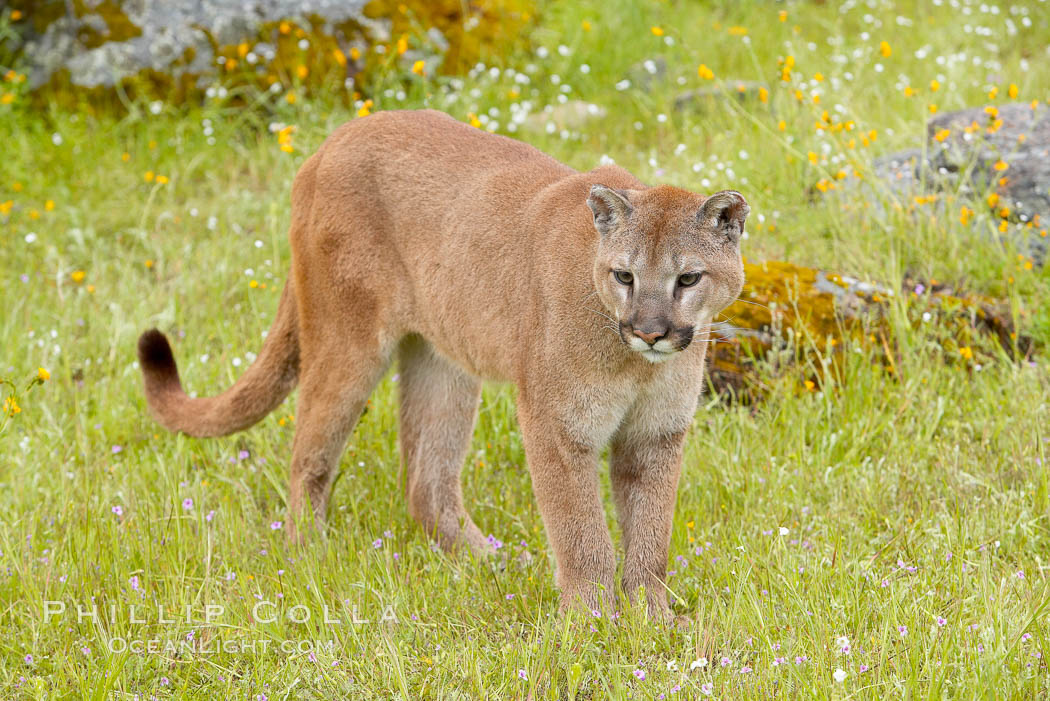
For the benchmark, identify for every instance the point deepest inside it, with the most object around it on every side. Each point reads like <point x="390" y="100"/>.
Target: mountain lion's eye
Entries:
<point x="623" y="277"/>
<point x="689" y="279"/>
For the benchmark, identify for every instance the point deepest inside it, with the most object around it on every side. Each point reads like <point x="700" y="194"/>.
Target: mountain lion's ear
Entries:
<point x="610" y="208"/>
<point x="725" y="212"/>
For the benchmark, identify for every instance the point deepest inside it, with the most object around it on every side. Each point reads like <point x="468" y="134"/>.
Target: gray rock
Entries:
<point x="169" y="28"/>
<point x="644" y="75"/>
<point x="574" y="114"/>
<point x="708" y="98"/>
<point x="962" y="150"/>
<point x="966" y="159"/>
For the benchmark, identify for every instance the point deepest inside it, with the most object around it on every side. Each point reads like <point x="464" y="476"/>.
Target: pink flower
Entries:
<point x="118" y="510"/>
<point x="941" y="621"/>
<point x="707" y="688"/>
<point x="275" y="526"/>
<point x="903" y="630"/>
<point x="187" y="504"/>
<point x="640" y="674"/>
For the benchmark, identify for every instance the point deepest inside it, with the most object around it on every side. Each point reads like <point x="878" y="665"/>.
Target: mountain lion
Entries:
<point x="471" y="257"/>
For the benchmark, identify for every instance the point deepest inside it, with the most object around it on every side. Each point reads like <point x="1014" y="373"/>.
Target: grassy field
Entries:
<point x="884" y="537"/>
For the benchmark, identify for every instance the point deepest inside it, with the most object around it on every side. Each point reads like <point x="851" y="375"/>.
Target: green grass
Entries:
<point x="906" y="497"/>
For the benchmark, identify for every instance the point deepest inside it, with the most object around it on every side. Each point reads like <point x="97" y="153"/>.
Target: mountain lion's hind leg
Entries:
<point x="333" y="391"/>
<point x="439" y="403"/>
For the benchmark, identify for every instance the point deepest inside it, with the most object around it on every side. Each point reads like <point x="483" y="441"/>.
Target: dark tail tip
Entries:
<point x="156" y="357"/>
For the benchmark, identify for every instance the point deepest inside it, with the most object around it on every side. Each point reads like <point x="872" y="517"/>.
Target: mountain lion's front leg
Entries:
<point x="565" y="481"/>
<point x="644" y="470"/>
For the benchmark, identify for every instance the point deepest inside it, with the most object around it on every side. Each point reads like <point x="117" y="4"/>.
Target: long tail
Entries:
<point x="255" y="394"/>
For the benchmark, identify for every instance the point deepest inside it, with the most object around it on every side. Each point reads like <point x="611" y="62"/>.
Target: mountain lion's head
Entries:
<point x="668" y="261"/>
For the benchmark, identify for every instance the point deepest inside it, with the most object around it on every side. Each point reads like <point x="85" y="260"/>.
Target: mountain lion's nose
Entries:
<point x="650" y="337"/>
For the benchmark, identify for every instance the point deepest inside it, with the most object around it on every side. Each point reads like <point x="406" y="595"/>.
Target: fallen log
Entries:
<point x="796" y="322"/>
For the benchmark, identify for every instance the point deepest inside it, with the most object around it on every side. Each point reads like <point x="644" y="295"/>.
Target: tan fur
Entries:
<point x="475" y="257"/>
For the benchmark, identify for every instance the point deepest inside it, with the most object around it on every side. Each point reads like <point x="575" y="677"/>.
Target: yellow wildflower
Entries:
<point x="885" y="50"/>
<point x="704" y="72"/>
<point x="657" y="31"/>
<point x="418" y="67"/>
<point x="43" y="374"/>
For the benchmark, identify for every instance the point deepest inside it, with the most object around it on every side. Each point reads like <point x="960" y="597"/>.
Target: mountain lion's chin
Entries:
<point x="655" y="356"/>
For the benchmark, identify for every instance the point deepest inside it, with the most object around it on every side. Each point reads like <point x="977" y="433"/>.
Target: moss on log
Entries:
<point x="794" y="324"/>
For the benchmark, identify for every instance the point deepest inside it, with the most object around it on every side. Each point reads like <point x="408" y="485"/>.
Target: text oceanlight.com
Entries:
<point x="261" y="646"/>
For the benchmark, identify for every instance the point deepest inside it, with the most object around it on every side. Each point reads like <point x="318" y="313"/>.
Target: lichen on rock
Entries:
<point x="172" y="48"/>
